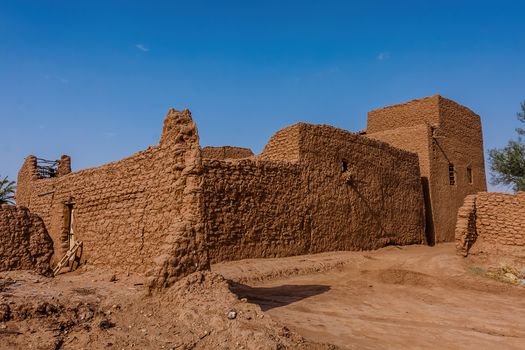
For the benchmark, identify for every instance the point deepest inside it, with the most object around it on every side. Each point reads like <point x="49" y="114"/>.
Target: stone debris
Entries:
<point x="106" y="324"/>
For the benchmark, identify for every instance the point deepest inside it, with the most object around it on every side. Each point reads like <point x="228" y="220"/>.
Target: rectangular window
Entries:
<point x="451" y="174"/>
<point x="344" y="166"/>
<point x="469" y="175"/>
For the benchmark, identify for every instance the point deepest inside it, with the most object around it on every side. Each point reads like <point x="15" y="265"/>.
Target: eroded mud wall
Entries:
<point x="466" y="230"/>
<point x="253" y="209"/>
<point x="262" y="208"/>
<point x="24" y="241"/>
<point x="138" y="214"/>
<point x="360" y="193"/>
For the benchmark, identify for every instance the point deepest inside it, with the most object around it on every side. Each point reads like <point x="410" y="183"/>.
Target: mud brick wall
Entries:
<point x="501" y="218"/>
<point x="261" y="208"/>
<point x="253" y="209"/>
<point x="24" y="241"/>
<point x="459" y="141"/>
<point x="359" y="208"/>
<point x="499" y="224"/>
<point x="226" y="152"/>
<point x="415" y="139"/>
<point x="419" y="111"/>
<point x="314" y="188"/>
<point x="284" y="145"/>
<point x="442" y="132"/>
<point x="466" y="231"/>
<point x="138" y="214"/>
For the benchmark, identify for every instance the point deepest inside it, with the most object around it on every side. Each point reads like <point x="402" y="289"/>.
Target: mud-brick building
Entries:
<point x="174" y="208"/>
<point x="314" y="188"/>
<point x="448" y="139"/>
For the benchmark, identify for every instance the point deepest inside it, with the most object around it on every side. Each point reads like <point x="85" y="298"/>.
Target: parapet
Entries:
<point x="432" y="110"/>
<point x="284" y="145"/>
<point x="420" y="111"/>
<point x="226" y="152"/>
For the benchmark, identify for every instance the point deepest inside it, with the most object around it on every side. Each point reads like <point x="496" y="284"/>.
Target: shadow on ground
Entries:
<point x="271" y="297"/>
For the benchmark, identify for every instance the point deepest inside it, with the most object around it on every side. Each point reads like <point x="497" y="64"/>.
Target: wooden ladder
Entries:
<point x="65" y="259"/>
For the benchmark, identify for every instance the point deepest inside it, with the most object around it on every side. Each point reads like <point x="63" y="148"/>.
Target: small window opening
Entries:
<point x="469" y="175"/>
<point x="451" y="174"/>
<point x="344" y="166"/>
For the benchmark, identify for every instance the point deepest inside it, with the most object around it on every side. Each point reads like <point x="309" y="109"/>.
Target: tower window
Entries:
<point x="451" y="174"/>
<point x="469" y="175"/>
<point x="344" y="166"/>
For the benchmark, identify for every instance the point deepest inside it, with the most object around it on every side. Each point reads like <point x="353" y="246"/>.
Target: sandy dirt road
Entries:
<point x="414" y="297"/>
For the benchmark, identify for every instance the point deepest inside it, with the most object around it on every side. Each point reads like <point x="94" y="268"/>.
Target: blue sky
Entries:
<point x="94" y="79"/>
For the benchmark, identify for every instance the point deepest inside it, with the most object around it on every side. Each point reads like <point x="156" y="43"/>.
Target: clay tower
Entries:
<point x="448" y="140"/>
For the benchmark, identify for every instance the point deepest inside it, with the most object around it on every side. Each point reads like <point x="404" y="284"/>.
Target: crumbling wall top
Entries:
<point x="178" y="128"/>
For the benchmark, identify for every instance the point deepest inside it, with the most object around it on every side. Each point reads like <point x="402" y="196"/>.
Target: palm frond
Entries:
<point x="7" y="191"/>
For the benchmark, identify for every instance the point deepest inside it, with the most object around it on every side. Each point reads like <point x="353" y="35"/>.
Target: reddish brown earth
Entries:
<point x="395" y="298"/>
<point x="414" y="297"/>
<point x="87" y="310"/>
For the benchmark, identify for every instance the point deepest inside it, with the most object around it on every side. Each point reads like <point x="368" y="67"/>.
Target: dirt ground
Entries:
<point x="414" y="297"/>
<point x="92" y="310"/>
<point x="394" y="298"/>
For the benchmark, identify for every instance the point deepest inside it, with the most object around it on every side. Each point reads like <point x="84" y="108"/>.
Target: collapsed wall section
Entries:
<point x="24" y="241"/>
<point x="499" y="224"/>
<point x="139" y="214"/>
<point x="466" y="229"/>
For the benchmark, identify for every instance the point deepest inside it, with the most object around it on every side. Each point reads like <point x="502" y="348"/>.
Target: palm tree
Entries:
<point x="7" y="191"/>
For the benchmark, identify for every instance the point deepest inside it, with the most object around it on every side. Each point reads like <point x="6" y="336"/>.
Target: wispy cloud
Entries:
<point x="328" y="71"/>
<point x="141" y="47"/>
<point x="383" y="56"/>
<point x="53" y="78"/>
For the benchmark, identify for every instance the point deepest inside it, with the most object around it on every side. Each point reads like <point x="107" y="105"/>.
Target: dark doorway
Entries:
<point x="70" y="224"/>
<point x="429" y="220"/>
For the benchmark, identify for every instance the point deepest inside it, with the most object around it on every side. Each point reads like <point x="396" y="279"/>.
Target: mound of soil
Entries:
<point x="93" y="310"/>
